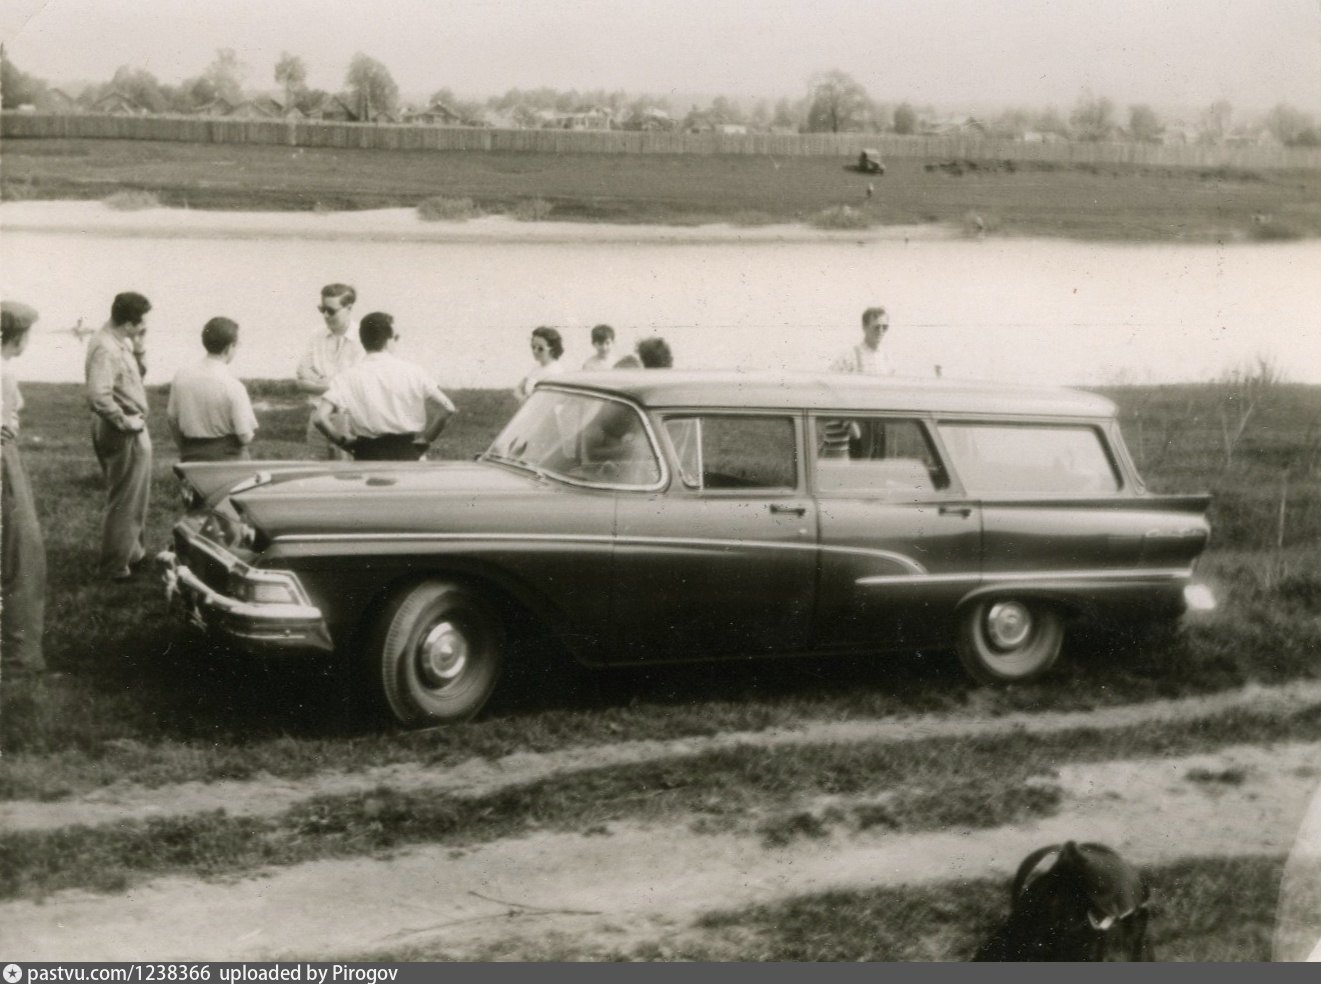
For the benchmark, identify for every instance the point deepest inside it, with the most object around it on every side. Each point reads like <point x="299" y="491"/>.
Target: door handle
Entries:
<point x="964" y="511"/>
<point x="780" y="510"/>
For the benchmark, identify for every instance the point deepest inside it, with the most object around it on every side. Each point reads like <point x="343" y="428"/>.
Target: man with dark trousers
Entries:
<point x="118" y="399"/>
<point x="382" y="409"/>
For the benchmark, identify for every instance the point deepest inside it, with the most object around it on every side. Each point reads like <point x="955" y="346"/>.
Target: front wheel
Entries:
<point x="438" y="650"/>
<point x="1009" y="640"/>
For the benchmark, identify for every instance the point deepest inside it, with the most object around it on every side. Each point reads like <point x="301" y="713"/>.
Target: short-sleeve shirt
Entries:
<point x="326" y="356"/>
<point x="864" y="360"/>
<point x="385" y="395"/>
<point x="206" y="401"/>
<point x="11" y="400"/>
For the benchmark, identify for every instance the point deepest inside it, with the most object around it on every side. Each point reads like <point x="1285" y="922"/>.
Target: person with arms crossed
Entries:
<point x="119" y="432"/>
<point x="23" y="567"/>
<point x="384" y="409"/>
<point x="209" y="412"/>
<point x="329" y="352"/>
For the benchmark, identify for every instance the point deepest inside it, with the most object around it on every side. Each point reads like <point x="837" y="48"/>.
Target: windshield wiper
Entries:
<point x="505" y="459"/>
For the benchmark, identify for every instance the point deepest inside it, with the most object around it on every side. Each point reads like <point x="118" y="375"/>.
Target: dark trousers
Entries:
<point x="225" y="448"/>
<point x="23" y="570"/>
<point x="388" y="447"/>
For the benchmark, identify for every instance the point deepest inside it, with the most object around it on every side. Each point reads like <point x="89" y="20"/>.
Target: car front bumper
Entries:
<point x="261" y="627"/>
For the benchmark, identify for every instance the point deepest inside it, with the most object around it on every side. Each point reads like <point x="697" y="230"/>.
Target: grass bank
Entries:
<point x="1122" y="202"/>
<point x="139" y="701"/>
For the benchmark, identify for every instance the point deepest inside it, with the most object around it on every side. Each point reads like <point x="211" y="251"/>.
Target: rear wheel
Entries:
<point x="1009" y="640"/>
<point x="438" y="650"/>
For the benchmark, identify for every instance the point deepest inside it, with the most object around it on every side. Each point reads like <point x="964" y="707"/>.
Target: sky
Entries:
<point x="1032" y="53"/>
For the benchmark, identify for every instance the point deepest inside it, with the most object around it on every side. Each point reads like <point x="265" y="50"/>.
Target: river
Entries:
<point x="465" y="296"/>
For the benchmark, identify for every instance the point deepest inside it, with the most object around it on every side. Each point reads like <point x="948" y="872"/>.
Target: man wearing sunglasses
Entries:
<point x="329" y="352"/>
<point x="385" y="408"/>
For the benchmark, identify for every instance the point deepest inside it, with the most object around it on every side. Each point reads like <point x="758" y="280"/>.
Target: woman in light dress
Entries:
<point x="547" y="347"/>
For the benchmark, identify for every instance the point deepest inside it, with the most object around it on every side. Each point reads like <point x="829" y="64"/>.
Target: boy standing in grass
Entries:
<point x="23" y="566"/>
<point x="603" y="340"/>
<point x="119" y="432"/>
<point x="209" y="411"/>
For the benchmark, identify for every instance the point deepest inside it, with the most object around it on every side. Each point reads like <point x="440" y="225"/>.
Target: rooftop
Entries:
<point x="833" y="391"/>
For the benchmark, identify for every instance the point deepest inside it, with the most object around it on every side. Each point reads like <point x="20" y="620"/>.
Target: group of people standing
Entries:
<point x="367" y="404"/>
<point x="548" y="349"/>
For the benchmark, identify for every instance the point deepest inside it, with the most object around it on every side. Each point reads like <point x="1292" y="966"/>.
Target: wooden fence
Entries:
<point x="384" y="136"/>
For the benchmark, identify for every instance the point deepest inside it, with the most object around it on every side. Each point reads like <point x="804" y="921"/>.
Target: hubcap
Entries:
<point x="1008" y="623"/>
<point x="442" y="654"/>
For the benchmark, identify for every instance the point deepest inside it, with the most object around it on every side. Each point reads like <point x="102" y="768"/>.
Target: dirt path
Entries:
<point x="268" y="795"/>
<point x="639" y="884"/>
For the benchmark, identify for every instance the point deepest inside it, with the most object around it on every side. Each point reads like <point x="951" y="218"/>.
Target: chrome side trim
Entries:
<point x="992" y="577"/>
<point x="902" y="560"/>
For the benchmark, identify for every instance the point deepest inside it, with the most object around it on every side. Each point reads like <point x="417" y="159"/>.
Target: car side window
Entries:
<point x="1045" y="458"/>
<point x="735" y="451"/>
<point x="876" y="455"/>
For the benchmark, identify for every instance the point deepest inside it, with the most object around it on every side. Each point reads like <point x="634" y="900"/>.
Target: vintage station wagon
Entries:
<point x="666" y="515"/>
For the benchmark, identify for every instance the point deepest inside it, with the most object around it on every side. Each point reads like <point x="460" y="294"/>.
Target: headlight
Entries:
<point x="266" y="587"/>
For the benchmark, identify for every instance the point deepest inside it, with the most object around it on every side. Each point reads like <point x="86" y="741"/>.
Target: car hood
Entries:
<point x="377" y="497"/>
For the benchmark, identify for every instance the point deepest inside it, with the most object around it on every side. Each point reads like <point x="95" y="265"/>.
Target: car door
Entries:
<point x="900" y="541"/>
<point x="723" y="562"/>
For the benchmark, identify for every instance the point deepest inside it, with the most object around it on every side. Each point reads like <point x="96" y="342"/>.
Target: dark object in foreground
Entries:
<point x="1076" y="902"/>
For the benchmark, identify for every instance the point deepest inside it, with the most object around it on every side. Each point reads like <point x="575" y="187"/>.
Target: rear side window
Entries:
<point x="735" y="452"/>
<point x="875" y="455"/>
<point x="1030" y="458"/>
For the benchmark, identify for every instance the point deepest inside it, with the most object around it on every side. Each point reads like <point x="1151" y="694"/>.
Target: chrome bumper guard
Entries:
<point x="264" y="626"/>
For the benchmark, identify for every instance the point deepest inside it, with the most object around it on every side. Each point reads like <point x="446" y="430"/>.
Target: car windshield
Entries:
<point x="578" y="437"/>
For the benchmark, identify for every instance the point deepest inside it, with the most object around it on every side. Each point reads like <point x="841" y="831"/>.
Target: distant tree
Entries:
<point x="1292" y="127"/>
<point x="1010" y="124"/>
<point x="1214" y="122"/>
<point x="17" y="87"/>
<point x="1093" y="118"/>
<point x="370" y="86"/>
<point x="226" y="73"/>
<point x="725" y="110"/>
<point x="194" y="93"/>
<point x="1051" y="121"/>
<point x="881" y="116"/>
<point x="308" y="100"/>
<point x="785" y="117"/>
<point x="291" y="73"/>
<point x="1143" y="124"/>
<point x="838" y="104"/>
<point x="905" y="119"/>
<point x="760" y="117"/>
<point x="140" y="86"/>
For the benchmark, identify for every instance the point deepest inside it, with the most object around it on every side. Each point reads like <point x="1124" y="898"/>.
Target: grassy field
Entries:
<point x="1043" y="199"/>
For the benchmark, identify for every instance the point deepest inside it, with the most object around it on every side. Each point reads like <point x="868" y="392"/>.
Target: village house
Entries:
<point x="118" y="104"/>
<point x="332" y="108"/>
<point x="437" y="114"/>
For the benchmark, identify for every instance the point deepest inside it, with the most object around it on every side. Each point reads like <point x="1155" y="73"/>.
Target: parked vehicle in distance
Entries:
<point x="643" y="515"/>
<point x="870" y="162"/>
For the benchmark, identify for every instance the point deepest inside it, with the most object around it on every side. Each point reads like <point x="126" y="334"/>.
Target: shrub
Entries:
<point x="531" y="210"/>
<point x="132" y="200"/>
<point x="841" y="217"/>
<point x="441" y="209"/>
<point x="14" y="191"/>
<point x="1267" y="229"/>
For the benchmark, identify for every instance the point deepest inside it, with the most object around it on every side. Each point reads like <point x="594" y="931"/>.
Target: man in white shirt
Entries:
<point x="866" y="356"/>
<point x="328" y="353"/>
<point x="209" y="411"/>
<point x="383" y="409"/>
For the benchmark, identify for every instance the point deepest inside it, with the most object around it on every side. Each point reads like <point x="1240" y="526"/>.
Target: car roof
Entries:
<point x="832" y="391"/>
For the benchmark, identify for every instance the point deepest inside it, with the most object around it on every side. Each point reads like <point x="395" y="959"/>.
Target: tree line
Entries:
<point x="833" y="102"/>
